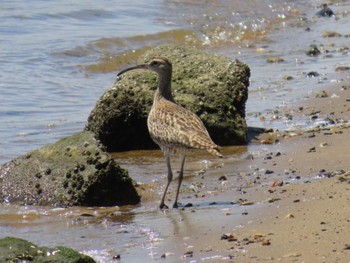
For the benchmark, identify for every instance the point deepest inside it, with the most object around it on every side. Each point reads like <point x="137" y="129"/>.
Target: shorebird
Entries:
<point x="174" y="128"/>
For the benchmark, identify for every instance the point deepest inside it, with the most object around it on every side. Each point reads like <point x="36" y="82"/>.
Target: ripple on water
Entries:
<point x="59" y="57"/>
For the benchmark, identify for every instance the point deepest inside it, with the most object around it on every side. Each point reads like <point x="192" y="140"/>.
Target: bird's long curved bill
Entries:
<point x="142" y="66"/>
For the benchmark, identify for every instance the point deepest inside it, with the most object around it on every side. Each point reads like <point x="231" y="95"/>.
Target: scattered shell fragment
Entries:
<point x="201" y="172"/>
<point x="258" y="236"/>
<point x="277" y="183"/>
<point x="242" y="174"/>
<point x="261" y="50"/>
<point x="323" y="144"/>
<point x="331" y="34"/>
<point x="223" y="178"/>
<point x="313" y="51"/>
<point x="321" y="94"/>
<point x="266" y="242"/>
<point x="287" y="77"/>
<point x="312" y="150"/>
<point x="274" y="60"/>
<point x="267" y="138"/>
<point x="246" y="203"/>
<point x="292" y="255"/>
<point x="188" y="254"/>
<point x="228" y="237"/>
<point x="273" y="199"/>
<point x="312" y="74"/>
<point x="336" y="130"/>
<point x="290" y="215"/>
<point x="342" y="68"/>
<point x="343" y="179"/>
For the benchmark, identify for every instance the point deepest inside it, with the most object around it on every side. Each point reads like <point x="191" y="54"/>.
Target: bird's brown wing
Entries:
<point x="173" y="126"/>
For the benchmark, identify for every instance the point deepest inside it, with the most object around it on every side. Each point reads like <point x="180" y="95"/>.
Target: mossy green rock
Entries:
<point x="19" y="250"/>
<point x="76" y="170"/>
<point x="213" y="87"/>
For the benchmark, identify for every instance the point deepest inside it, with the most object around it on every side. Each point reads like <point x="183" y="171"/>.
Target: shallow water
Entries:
<point x="143" y="231"/>
<point x="58" y="57"/>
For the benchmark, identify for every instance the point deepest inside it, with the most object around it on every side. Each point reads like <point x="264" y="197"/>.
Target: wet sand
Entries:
<point x="289" y="199"/>
<point x="308" y="219"/>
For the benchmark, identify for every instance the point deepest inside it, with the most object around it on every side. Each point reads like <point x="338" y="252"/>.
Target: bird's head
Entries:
<point x="160" y="65"/>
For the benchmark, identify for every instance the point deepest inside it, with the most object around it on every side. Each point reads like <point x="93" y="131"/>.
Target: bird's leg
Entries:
<point x="170" y="177"/>
<point x="181" y="175"/>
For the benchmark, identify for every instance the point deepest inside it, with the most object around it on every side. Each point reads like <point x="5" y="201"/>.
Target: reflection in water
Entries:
<point x="131" y="230"/>
<point x="46" y="96"/>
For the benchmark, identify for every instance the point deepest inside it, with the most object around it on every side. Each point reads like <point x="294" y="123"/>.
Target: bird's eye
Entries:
<point x="154" y="63"/>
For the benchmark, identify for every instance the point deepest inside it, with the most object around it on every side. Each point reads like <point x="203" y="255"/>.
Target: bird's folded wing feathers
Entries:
<point x="179" y="127"/>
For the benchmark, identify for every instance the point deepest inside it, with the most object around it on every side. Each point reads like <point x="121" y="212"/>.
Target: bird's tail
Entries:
<point x="215" y="151"/>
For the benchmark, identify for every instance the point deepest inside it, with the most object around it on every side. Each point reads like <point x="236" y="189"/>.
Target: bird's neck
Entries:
<point x="164" y="87"/>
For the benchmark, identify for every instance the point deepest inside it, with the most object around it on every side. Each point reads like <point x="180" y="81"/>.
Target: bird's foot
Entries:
<point x="175" y="205"/>
<point x="163" y="206"/>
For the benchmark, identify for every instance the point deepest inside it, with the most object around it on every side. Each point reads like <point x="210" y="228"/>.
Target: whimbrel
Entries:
<point x="174" y="128"/>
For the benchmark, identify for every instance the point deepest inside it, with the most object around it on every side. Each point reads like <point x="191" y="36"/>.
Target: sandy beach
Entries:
<point x="302" y="215"/>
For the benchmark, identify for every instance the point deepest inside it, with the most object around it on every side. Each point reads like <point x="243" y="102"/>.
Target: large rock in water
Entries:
<point x="76" y="170"/>
<point x="19" y="250"/>
<point x="213" y="87"/>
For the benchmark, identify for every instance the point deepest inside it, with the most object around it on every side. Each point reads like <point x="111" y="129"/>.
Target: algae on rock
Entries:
<point x="76" y="170"/>
<point x="213" y="87"/>
<point x="19" y="250"/>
